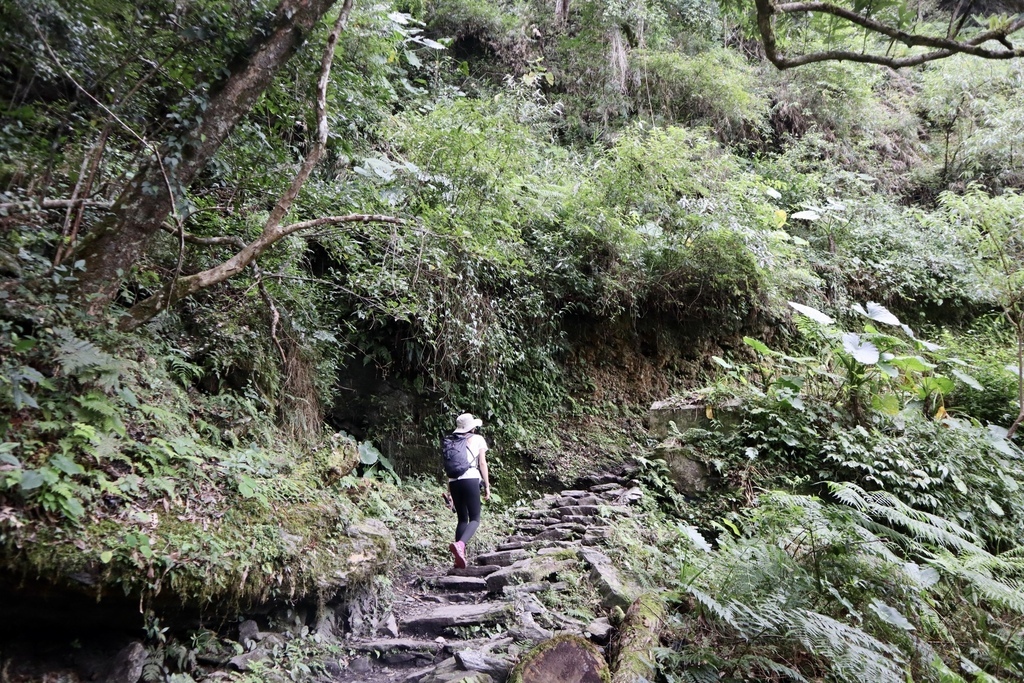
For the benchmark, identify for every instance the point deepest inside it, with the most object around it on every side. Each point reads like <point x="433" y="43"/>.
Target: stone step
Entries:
<point x="461" y="583"/>
<point x="384" y="645"/>
<point x="534" y="587"/>
<point x="434" y="621"/>
<point x="474" y="570"/>
<point x="502" y="558"/>
<point x="514" y="545"/>
<point x="525" y="571"/>
<point x="553" y="534"/>
<point x="582" y="500"/>
<point x="604" y="488"/>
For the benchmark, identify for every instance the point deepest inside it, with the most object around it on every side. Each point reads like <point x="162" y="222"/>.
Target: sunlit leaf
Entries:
<point x="812" y="313"/>
<point x="890" y="615"/>
<point x="880" y="313"/>
<point x="862" y="350"/>
<point x="806" y="215"/>
<point x="695" y="537"/>
<point x="368" y="453"/>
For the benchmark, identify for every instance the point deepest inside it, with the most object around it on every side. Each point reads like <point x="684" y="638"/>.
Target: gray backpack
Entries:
<point x="453" y="454"/>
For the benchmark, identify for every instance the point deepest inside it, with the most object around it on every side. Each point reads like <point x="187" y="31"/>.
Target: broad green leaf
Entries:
<point x="890" y="615"/>
<point x="74" y="508"/>
<point x="886" y="403"/>
<point x="994" y="507"/>
<point x="247" y="486"/>
<point x="812" y="313"/>
<point x="758" y="346"/>
<point x="106" y="556"/>
<point x="968" y="380"/>
<point x="66" y="465"/>
<point x="888" y="370"/>
<point x="368" y="453"/>
<point x="912" y="364"/>
<point x="862" y="351"/>
<point x="30" y="480"/>
<point x="792" y="382"/>
<point x="21" y="398"/>
<point x="718" y="360"/>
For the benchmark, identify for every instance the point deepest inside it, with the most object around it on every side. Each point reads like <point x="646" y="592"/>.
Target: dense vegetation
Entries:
<point x="549" y="218"/>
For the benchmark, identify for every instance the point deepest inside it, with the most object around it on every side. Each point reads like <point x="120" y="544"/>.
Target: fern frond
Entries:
<point x="921" y="525"/>
<point x="718" y="610"/>
<point x="74" y="354"/>
<point x="754" y="664"/>
<point x="856" y="655"/>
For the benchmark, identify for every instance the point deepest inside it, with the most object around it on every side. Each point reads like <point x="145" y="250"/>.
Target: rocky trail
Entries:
<point x="475" y="624"/>
<point x="527" y="600"/>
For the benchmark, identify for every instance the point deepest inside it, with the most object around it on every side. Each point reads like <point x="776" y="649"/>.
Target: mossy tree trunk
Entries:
<point x="638" y="636"/>
<point x="118" y="243"/>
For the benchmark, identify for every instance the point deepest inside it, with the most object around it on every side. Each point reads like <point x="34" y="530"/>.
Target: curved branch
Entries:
<point x="186" y="286"/>
<point x="942" y="47"/>
<point x="273" y="231"/>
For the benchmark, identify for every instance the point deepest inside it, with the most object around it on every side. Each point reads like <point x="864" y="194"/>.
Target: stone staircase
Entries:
<point x="471" y="625"/>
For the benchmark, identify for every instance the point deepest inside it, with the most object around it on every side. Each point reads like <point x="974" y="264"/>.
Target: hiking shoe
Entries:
<point x="458" y="549"/>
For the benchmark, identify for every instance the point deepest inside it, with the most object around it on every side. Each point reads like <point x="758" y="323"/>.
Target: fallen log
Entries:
<point x="562" y="659"/>
<point x="638" y="636"/>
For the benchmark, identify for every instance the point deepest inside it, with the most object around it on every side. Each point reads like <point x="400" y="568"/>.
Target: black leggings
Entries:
<point x="466" y="497"/>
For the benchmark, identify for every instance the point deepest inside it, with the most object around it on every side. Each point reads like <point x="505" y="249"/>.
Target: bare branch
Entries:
<point x="941" y="47"/>
<point x="232" y="240"/>
<point x="31" y="206"/>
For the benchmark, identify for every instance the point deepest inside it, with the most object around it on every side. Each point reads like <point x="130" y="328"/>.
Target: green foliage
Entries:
<point x="869" y="408"/>
<point x="714" y="88"/>
<point x="974" y="108"/>
<point x="801" y="589"/>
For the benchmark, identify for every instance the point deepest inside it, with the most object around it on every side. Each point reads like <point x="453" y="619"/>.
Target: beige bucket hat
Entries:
<point x="466" y="422"/>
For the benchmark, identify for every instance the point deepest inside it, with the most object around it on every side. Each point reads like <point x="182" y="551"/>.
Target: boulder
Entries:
<point x="605" y="579"/>
<point x="248" y="633"/>
<point x="563" y="659"/>
<point x="126" y="666"/>
<point x="689" y="473"/>
<point x="690" y="416"/>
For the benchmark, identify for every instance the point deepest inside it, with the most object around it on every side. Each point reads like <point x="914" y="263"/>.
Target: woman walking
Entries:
<point x="465" y="454"/>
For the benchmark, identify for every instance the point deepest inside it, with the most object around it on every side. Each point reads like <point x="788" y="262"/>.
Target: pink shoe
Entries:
<point x="458" y="549"/>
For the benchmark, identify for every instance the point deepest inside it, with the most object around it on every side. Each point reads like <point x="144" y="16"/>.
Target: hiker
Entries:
<point x="465" y="463"/>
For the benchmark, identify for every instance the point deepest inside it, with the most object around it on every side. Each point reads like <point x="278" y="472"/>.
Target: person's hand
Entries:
<point x="487" y="491"/>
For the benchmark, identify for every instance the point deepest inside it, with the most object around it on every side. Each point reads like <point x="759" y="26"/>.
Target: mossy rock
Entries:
<point x="562" y="659"/>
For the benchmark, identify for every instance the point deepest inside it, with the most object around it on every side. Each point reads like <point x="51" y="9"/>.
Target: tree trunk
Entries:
<point x="117" y="244"/>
